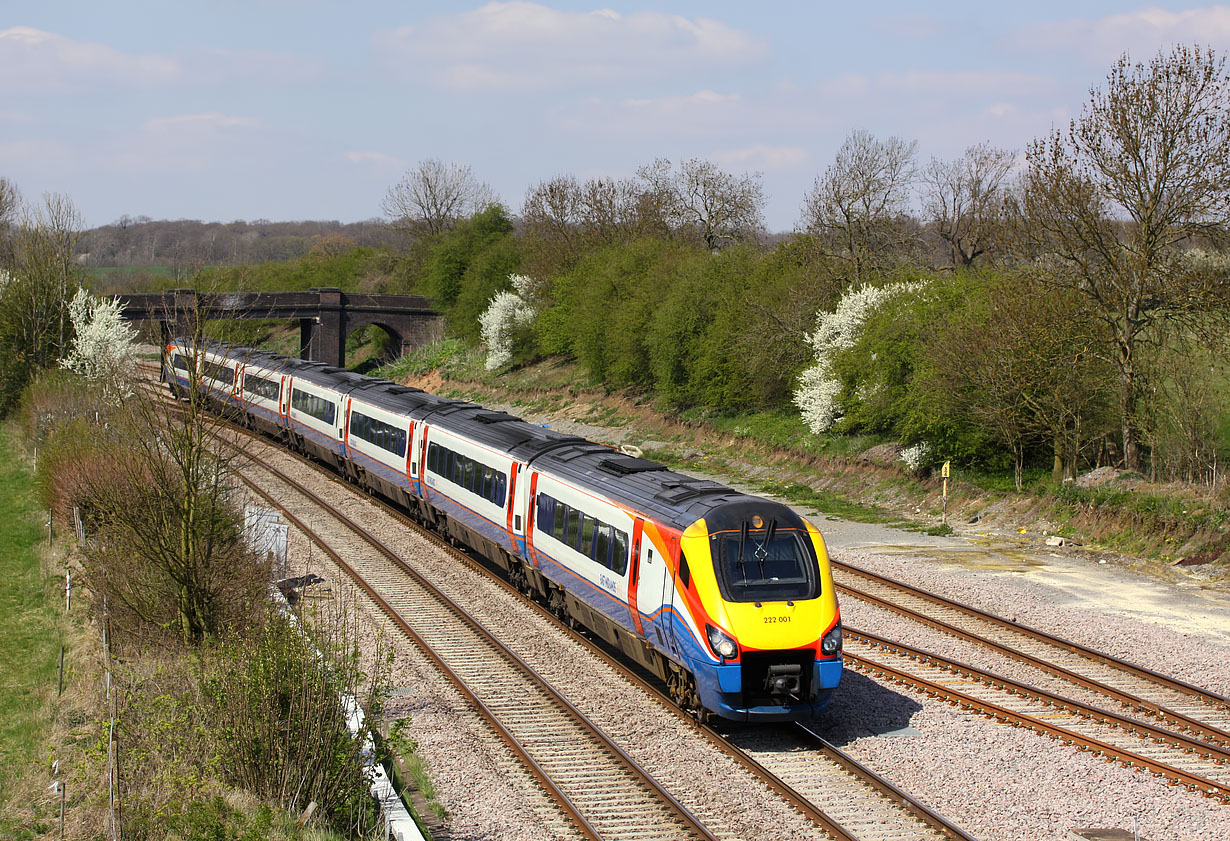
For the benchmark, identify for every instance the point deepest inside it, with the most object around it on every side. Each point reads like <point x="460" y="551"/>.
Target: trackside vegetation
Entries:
<point x="226" y="711"/>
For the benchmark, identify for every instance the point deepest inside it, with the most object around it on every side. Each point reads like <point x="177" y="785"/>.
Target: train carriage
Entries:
<point x="726" y="596"/>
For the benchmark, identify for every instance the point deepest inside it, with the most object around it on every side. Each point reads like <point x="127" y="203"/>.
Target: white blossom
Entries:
<point x="819" y="388"/>
<point x="917" y="457"/>
<point x="506" y="312"/>
<point x="104" y="348"/>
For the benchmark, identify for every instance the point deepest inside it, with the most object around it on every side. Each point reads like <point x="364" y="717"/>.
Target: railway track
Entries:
<point x="811" y="775"/>
<point x="1177" y="758"/>
<point x="598" y="788"/>
<point x="1173" y="704"/>
<point x="841" y="797"/>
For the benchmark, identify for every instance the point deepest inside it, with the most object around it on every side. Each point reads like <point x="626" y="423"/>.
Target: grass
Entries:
<point x="29" y="651"/>
<point x="104" y="271"/>
<point x="409" y="762"/>
<point x="828" y="503"/>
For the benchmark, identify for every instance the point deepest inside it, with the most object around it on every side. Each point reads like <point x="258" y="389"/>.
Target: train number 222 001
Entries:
<point x="769" y="620"/>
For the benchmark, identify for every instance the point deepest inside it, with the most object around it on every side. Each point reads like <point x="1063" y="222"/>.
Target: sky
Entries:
<point x="306" y="109"/>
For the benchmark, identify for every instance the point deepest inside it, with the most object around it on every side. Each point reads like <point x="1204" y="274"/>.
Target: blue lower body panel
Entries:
<point x="721" y="690"/>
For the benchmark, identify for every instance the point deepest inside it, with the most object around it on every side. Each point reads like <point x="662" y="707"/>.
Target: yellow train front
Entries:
<point x="762" y="633"/>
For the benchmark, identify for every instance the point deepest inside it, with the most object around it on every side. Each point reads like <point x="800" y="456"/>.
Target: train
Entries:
<point x="727" y="597"/>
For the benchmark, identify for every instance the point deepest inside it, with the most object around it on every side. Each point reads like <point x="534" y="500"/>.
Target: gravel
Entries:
<point x="995" y="781"/>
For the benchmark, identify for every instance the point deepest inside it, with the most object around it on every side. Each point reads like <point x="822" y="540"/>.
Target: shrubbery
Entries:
<point x="216" y="691"/>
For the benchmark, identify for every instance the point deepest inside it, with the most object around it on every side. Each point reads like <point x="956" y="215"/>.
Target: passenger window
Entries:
<point x="561" y="517"/>
<point x="488" y="484"/>
<point x="602" y="547"/>
<point x="467" y="477"/>
<point x="619" y="555"/>
<point x="546" y="513"/>
<point x="587" y="535"/>
<point x="574" y="528"/>
<point x="432" y="454"/>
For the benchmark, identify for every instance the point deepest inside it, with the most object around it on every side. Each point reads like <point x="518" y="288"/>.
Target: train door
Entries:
<point x="413" y="463"/>
<point x="672" y="605"/>
<point x="519" y="514"/>
<point x="653" y="593"/>
<point x="284" y="403"/>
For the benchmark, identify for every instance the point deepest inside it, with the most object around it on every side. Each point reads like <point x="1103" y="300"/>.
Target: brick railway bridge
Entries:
<point x="326" y="316"/>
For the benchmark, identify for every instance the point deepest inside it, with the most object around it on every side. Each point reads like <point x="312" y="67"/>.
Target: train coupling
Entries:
<point x="784" y="680"/>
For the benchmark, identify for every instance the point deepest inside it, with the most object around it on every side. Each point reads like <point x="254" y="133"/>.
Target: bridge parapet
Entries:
<point x="326" y="315"/>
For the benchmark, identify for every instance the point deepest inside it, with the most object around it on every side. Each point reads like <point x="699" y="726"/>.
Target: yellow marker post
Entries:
<point x="945" y="471"/>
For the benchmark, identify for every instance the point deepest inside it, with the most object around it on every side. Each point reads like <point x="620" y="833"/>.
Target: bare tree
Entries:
<point x="855" y="209"/>
<point x="434" y="195"/>
<point x="1109" y="205"/>
<point x="10" y="209"/>
<point x="552" y="212"/>
<point x="719" y="206"/>
<point x="168" y="547"/>
<point x="34" y="325"/>
<point x="964" y="199"/>
<point x="611" y="210"/>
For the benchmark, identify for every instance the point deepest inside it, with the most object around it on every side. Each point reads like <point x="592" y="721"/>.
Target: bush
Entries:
<point x="280" y="730"/>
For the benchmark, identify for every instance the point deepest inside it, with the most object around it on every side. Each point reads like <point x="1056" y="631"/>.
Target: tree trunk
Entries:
<point x="1127" y="404"/>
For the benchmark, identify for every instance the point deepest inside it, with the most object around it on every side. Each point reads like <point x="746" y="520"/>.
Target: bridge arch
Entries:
<point x="326" y="315"/>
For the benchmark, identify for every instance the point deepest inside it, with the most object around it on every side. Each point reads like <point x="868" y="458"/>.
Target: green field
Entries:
<point x="29" y="637"/>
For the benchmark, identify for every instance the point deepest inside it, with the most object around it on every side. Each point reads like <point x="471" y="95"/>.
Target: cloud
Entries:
<point x="939" y="84"/>
<point x="763" y="158"/>
<point x="1141" y="33"/>
<point x="702" y="113"/>
<point x="217" y="64"/>
<point x="523" y="45"/>
<point x="378" y="159"/>
<point x="195" y="123"/>
<point x="34" y="61"/>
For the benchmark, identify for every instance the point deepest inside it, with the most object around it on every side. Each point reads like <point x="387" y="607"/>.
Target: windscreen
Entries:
<point x="764" y="565"/>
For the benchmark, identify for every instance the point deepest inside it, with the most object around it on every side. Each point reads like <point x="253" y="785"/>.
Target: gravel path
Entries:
<point x="997" y="782"/>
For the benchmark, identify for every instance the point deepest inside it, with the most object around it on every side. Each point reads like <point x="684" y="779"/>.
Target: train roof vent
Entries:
<point x="495" y="417"/>
<point x="580" y="448"/>
<point x="403" y="389"/>
<point x="679" y="491"/>
<point x="331" y="369"/>
<point x="627" y="465"/>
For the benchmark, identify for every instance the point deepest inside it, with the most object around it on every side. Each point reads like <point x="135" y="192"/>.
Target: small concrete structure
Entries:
<point x="326" y="315"/>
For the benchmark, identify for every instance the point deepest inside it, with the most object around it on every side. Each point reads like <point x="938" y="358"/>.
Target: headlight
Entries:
<point x="831" y="644"/>
<point x="722" y="645"/>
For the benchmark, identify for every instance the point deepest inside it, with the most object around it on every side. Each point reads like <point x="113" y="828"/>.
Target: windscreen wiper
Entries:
<point x="742" y="544"/>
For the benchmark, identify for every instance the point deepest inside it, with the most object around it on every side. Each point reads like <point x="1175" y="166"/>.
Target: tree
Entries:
<point x="433" y="196"/>
<point x="167" y="546"/>
<point x="104" y="347"/>
<point x="700" y="196"/>
<point x="1016" y="363"/>
<point x="964" y="200"/>
<point x="10" y="208"/>
<point x="855" y="209"/>
<point x="34" y="324"/>
<point x="564" y="218"/>
<point x="1109" y="205"/>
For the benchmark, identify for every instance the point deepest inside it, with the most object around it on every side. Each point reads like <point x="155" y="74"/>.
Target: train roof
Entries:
<point x="641" y="484"/>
